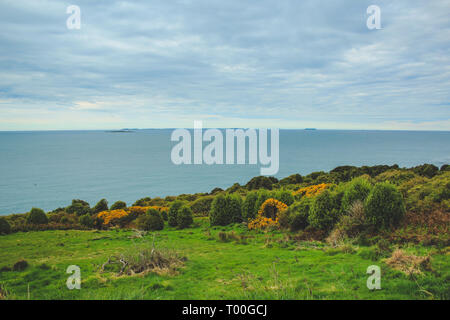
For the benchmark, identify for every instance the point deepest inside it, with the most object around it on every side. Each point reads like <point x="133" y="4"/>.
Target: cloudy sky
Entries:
<point x="233" y="63"/>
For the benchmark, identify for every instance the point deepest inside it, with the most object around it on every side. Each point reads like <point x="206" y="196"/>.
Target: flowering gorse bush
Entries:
<point x="311" y="191"/>
<point x="112" y="217"/>
<point x="268" y="214"/>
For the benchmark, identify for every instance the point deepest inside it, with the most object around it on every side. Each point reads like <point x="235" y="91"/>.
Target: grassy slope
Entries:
<point x="214" y="270"/>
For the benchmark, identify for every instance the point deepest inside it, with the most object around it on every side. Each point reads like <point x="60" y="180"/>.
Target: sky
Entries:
<point x="233" y="63"/>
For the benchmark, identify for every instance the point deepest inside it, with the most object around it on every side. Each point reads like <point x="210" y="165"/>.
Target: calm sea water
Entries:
<point x="49" y="169"/>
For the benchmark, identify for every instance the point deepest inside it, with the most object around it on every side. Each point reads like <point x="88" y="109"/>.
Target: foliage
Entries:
<point x="5" y="227"/>
<point x="150" y="221"/>
<point x="384" y="207"/>
<point x="310" y="191"/>
<point x="249" y="209"/>
<point x="357" y="190"/>
<point x="226" y="209"/>
<point x="79" y="207"/>
<point x="86" y="221"/>
<point x="261" y="182"/>
<point x="173" y="212"/>
<point x="284" y="196"/>
<point x="113" y="217"/>
<point x="184" y="217"/>
<point x="263" y="195"/>
<point x="268" y="214"/>
<point x="102" y="205"/>
<point x="118" y="205"/>
<point x="37" y="216"/>
<point x="298" y="214"/>
<point x="202" y="205"/>
<point x="426" y="170"/>
<point x="324" y="211"/>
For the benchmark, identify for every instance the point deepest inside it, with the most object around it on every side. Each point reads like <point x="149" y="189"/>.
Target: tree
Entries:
<point x="37" y="216"/>
<point x="184" y="217"/>
<point x="173" y="212"/>
<point x="102" y="205"/>
<point x="118" y="205"/>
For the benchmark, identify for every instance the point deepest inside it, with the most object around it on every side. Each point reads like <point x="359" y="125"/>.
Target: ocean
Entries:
<point x="47" y="169"/>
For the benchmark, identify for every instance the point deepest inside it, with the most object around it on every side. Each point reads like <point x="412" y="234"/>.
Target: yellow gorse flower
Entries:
<point x="112" y="216"/>
<point x="311" y="191"/>
<point x="261" y="221"/>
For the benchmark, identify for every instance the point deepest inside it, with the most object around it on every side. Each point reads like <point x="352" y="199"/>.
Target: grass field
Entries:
<point x="255" y="265"/>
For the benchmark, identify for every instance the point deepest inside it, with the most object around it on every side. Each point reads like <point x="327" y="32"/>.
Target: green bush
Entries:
<point x="261" y="182"/>
<point x="79" y="207"/>
<point x="324" y="211"/>
<point x="202" y="205"/>
<point x="357" y="189"/>
<point x="298" y="214"/>
<point x="164" y="215"/>
<point x="173" y="212"/>
<point x="144" y="202"/>
<point x="184" y="217"/>
<point x="284" y="196"/>
<point x="5" y="227"/>
<point x="118" y="205"/>
<point x="263" y="195"/>
<point x="150" y="221"/>
<point x="384" y="207"/>
<point x="249" y="210"/>
<point x="234" y="206"/>
<point x="102" y="205"/>
<point x="219" y="215"/>
<point x="86" y="221"/>
<point x="37" y="216"/>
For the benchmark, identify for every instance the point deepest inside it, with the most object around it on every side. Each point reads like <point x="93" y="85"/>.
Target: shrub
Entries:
<point x="184" y="217"/>
<point x="268" y="215"/>
<point x="219" y="215"/>
<point x="37" y="216"/>
<point x="102" y="205"/>
<point x="349" y="225"/>
<point x="5" y="227"/>
<point x="118" y="205"/>
<point x="79" y="207"/>
<point x="284" y="196"/>
<point x="86" y="221"/>
<point x="310" y="191"/>
<point x="173" y="212"/>
<point x="234" y="207"/>
<point x="20" y="265"/>
<point x="384" y="207"/>
<point x="113" y="217"/>
<point x="202" y="205"/>
<point x="261" y="182"/>
<point x="357" y="190"/>
<point x="263" y="195"/>
<point x="298" y="214"/>
<point x="249" y="209"/>
<point x="144" y="202"/>
<point x="324" y="211"/>
<point x="151" y="221"/>
<point x="426" y="170"/>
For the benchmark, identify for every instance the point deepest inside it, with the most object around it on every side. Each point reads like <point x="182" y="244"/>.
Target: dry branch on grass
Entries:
<point x="145" y="258"/>
<point x="408" y="263"/>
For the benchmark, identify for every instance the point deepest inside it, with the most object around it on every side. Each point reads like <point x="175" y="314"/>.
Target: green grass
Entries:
<point x="263" y="266"/>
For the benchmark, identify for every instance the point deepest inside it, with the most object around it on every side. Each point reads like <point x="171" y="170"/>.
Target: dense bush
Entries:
<point x="37" y="216"/>
<point x="292" y="179"/>
<point x="249" y="209"/>
<point x="86" y="221"/>
<point x="384" y="207"/>
<point x="173" y="212"/>
<point x="284" y="196"/>
<point x="202" y="205"/>
<point x="144" y="202"/>
<point x="357" y="190"/>
<point x="79" y="207"/>
<point x="225" y="210"/>
<point x="324" y="211"/>
<point x="298" y="214"/>
<point x="118" y="205"/>
<point x="263" y="195"/>
<point x="426" y="170"/>
<point x="261" y="182"/>
<point x="102" y="205"/>
<point x="5" y="227"/>
<point x="184" y="217"/>
<point x="234" y="207"/>
<point x="151" y="221"/>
